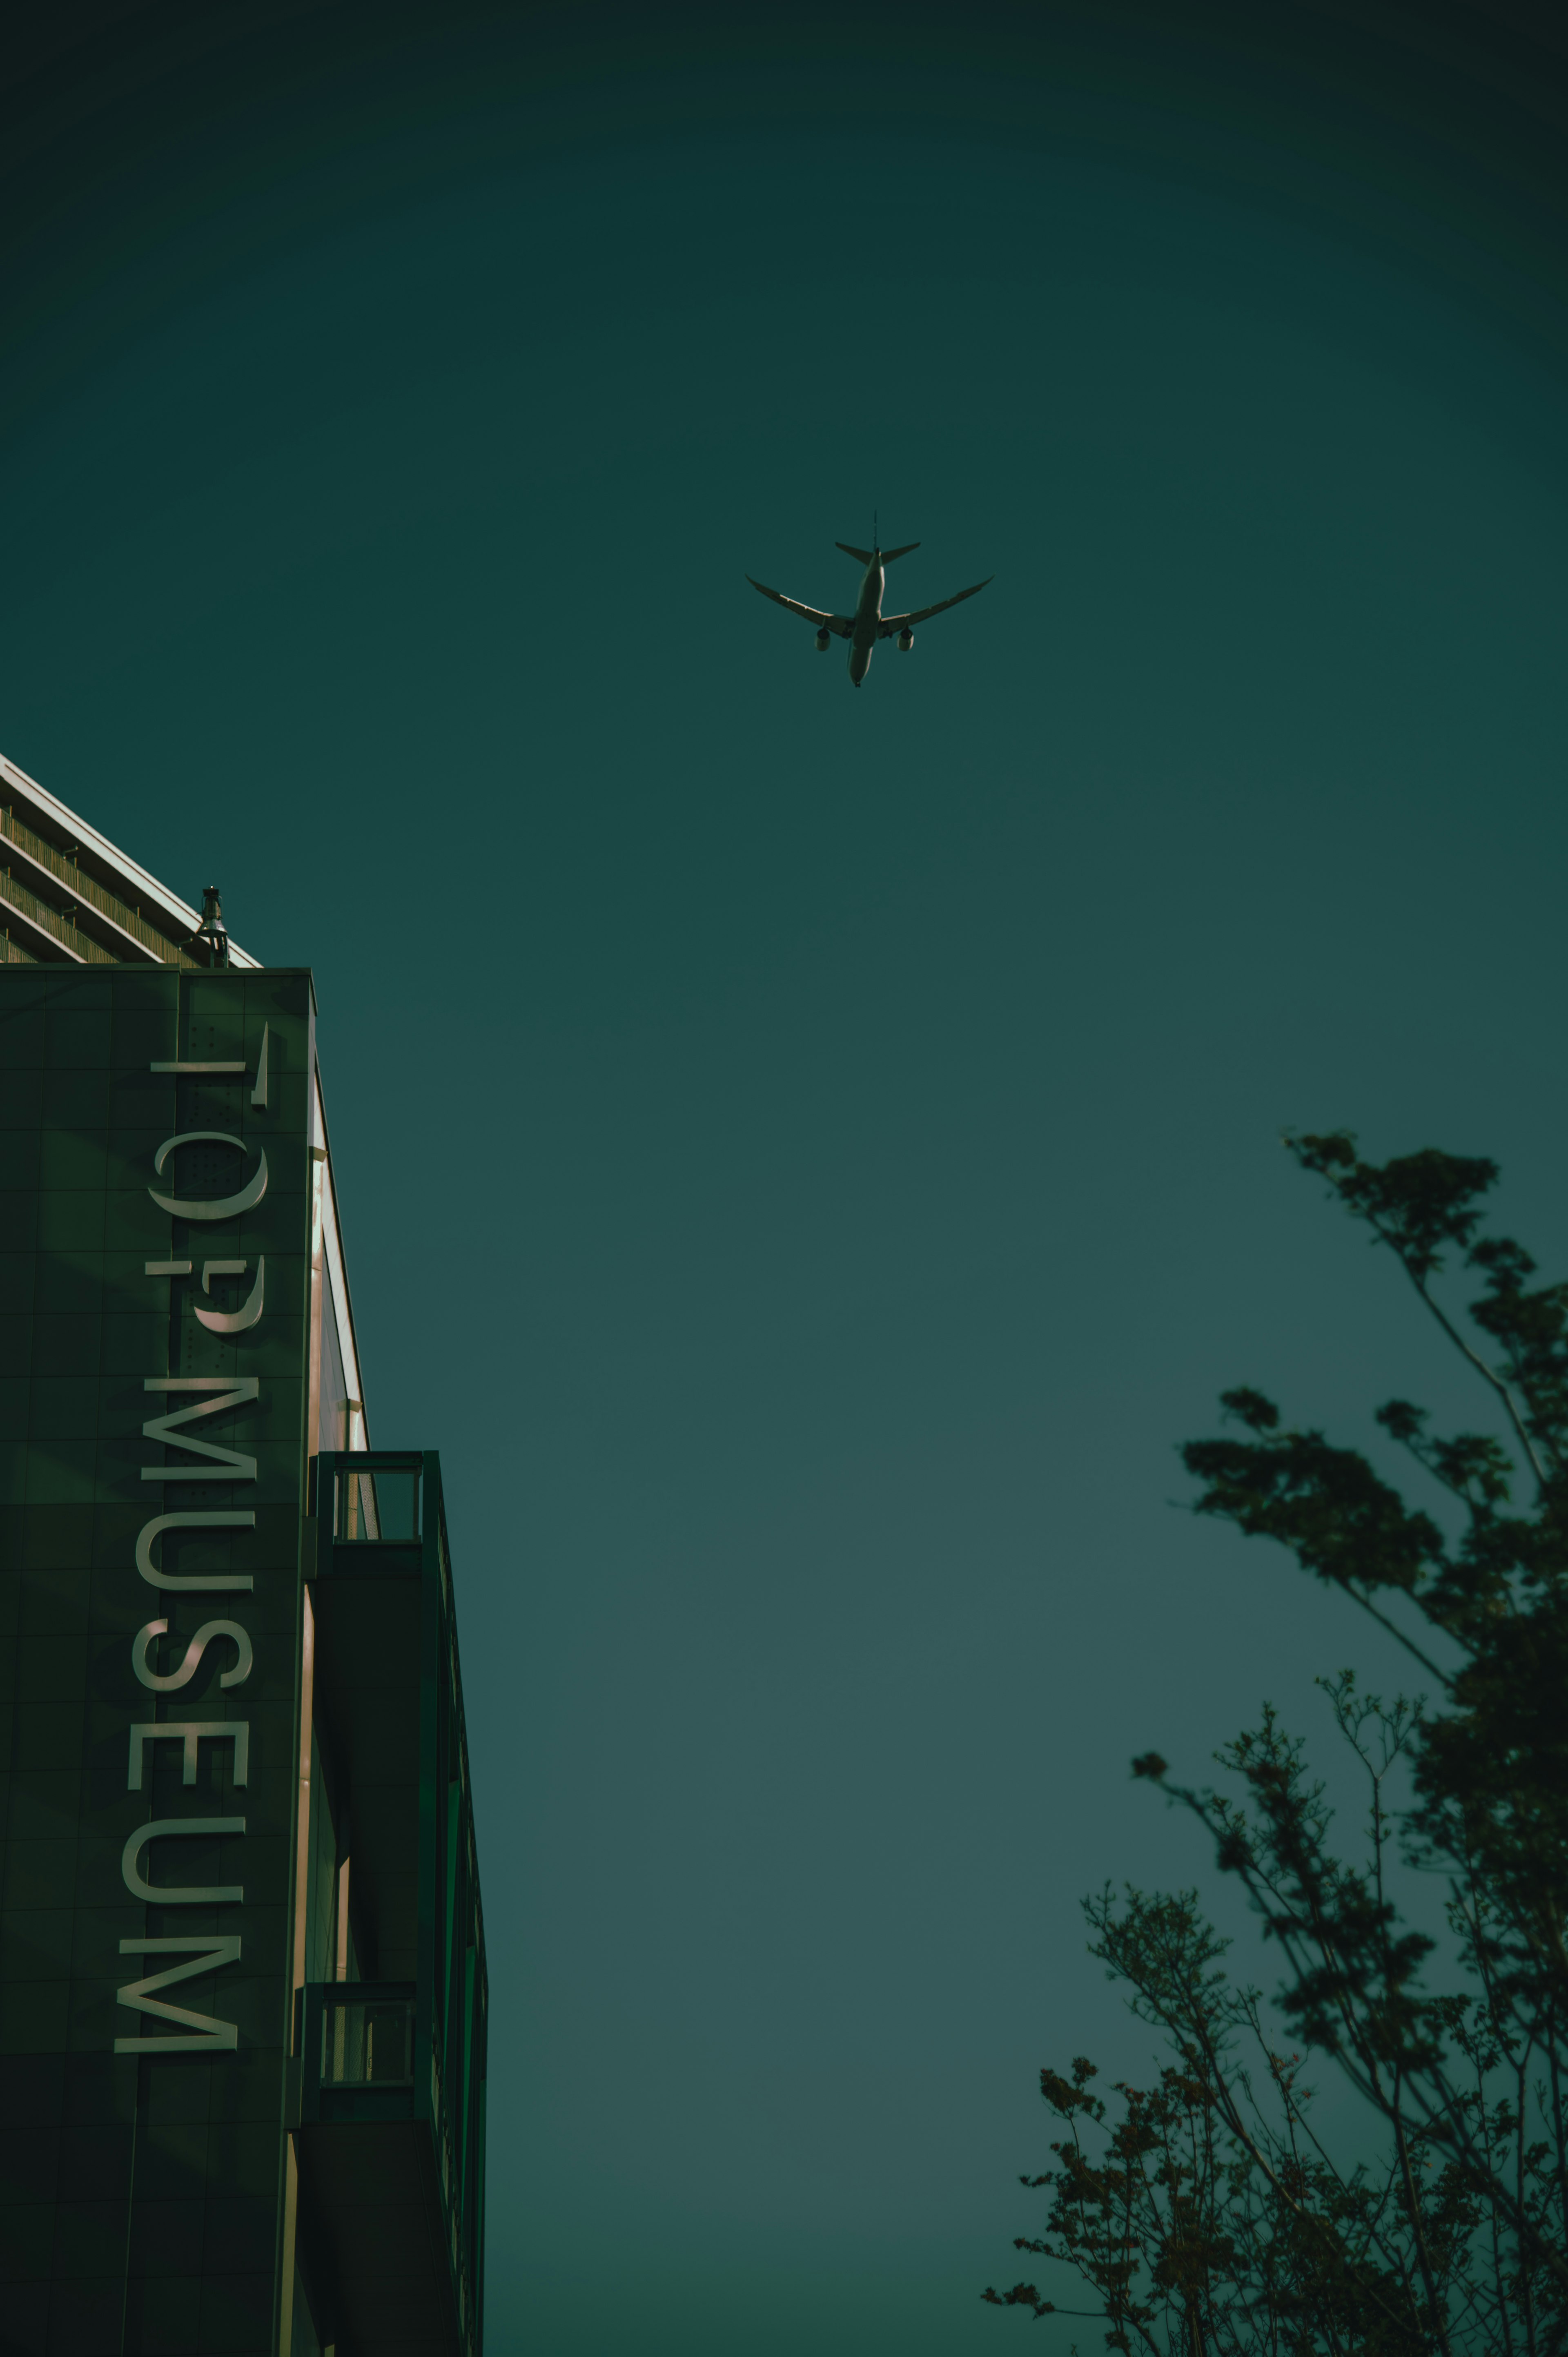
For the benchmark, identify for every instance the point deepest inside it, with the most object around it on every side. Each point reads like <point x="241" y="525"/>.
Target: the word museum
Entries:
<point x="242" y="1996"/>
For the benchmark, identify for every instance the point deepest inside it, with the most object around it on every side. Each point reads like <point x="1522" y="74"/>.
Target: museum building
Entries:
<point x="242" y="1994"/>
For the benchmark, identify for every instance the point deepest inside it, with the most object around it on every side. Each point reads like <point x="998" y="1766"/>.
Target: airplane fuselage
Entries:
<point x="867" y="619"/>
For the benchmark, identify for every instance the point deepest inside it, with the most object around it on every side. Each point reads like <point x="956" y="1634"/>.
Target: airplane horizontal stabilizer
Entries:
<point x="860" y="555"/>
<point x="889" y="553"/>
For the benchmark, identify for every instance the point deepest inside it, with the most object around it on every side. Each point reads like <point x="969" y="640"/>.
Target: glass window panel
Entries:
<point x="368" y="2043"/>
<point x="378" y="1505"/>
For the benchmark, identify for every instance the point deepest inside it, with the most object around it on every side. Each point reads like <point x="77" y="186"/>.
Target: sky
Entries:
<point x="808" y="1156"/>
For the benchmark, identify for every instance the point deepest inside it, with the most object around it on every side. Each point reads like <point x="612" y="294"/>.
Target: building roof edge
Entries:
<point x="146" y="885"/>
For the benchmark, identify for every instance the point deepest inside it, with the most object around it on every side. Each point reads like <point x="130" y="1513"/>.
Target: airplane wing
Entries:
<point x="837" y="623"/>
<point x="891" y="623"/>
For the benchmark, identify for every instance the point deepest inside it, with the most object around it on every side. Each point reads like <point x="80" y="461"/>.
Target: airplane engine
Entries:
<point x="906" y="642"/>
<point x="824" y="640"/>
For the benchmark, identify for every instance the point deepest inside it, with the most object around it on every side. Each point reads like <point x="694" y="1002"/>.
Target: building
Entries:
<point x="242" y="1990"/>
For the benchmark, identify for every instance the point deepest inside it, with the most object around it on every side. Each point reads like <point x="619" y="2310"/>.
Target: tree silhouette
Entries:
<point x="1205" y="2212"/>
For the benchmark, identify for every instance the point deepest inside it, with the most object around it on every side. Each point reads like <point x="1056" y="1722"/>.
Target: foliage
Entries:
<point x="1205" y="2212"/>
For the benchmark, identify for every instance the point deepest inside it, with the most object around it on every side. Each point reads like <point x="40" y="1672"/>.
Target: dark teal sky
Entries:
<point x="807" y="1157"/>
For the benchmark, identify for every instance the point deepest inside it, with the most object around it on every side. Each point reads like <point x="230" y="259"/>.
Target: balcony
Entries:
<point x="392" y="2068"/>
<point x="123" y="933"/>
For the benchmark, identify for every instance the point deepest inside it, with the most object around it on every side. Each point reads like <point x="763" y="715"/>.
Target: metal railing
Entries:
<point x="49" y="920"/>
<point x="86" y="888"/>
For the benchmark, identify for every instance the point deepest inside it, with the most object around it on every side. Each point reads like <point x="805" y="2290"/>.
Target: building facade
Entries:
<point x="243" y="1988"/>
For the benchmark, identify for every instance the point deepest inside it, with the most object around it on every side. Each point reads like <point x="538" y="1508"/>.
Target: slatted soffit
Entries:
<point x="69" y="898"/>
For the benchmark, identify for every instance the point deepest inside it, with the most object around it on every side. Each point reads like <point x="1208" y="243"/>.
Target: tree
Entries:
<point x="1205" y="2212"/>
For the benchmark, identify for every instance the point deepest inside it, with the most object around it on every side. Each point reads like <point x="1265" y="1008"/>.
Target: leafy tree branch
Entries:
<point x="1205" y="2212"/>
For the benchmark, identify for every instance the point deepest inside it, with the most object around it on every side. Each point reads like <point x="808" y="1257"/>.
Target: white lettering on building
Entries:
<point x="214" y="1461"/>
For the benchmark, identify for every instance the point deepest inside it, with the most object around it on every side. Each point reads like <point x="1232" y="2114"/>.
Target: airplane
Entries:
<point x="868" y="622"/>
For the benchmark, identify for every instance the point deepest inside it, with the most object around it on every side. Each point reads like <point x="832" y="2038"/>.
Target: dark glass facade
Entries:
<point x="242" y="1995"/>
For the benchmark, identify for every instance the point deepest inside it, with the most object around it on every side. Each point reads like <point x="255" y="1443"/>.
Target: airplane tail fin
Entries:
<point x="860" y="555"/>
<point x="889" y="553"/>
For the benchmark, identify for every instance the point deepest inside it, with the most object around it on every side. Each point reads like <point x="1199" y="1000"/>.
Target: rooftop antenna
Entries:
<point x="211" y="929"/>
